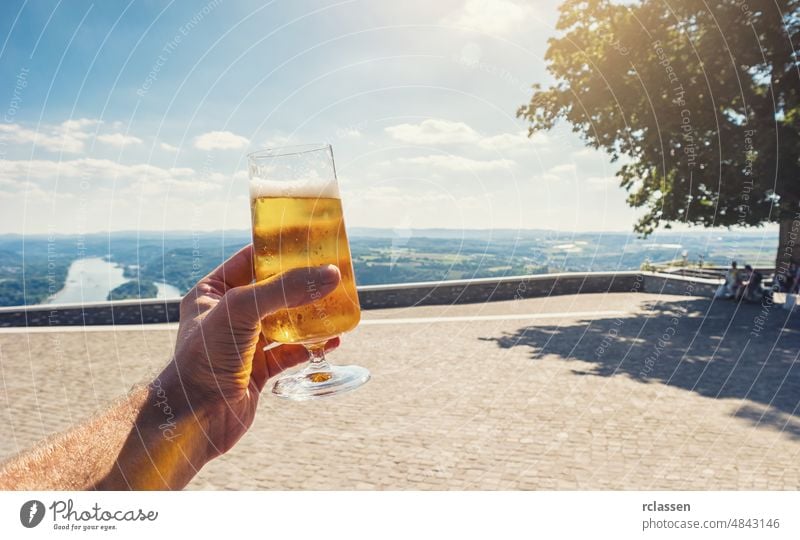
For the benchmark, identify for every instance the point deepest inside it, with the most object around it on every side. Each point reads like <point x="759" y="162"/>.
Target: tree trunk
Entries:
<point x="788" y="243"/>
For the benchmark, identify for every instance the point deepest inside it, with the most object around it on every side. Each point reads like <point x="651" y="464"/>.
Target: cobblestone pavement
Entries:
<point x="561" y="400"/>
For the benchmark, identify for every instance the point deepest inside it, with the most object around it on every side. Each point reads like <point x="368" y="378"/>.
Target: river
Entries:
<point x="92" y="278"/>
<point x="165" y="290"/>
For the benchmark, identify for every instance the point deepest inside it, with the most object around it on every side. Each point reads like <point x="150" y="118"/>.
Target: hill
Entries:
<point x="32" y="268"/>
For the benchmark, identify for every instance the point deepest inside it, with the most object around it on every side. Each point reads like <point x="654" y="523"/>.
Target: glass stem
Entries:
<point x="317" y="361"/>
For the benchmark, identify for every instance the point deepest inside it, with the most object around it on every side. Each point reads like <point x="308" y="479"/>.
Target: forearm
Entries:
<point x="148" y="440"/>
<point x="78" y="458"/>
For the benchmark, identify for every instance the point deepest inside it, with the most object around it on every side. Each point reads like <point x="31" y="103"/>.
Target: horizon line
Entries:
<point x="769" y="227"/>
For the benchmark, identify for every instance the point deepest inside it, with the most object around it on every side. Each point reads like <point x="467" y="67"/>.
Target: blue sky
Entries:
<point x="138" y="115"/>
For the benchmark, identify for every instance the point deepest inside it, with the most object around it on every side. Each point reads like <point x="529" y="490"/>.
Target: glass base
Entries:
<point x="315" y="383"/>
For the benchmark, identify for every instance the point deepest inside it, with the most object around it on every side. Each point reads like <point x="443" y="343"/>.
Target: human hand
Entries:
<point x="160" y="436"/>
<point x="220" y="366"/>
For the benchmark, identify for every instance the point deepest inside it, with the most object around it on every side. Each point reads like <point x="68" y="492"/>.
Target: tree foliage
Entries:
<point x="696" y="100"/>
<point x="133" y="289"/>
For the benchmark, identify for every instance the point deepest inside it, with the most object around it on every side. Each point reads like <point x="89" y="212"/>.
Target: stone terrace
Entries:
<point x="568" y="392"/>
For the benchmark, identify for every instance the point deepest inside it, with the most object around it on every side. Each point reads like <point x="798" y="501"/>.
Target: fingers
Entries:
<point x="287" y="356"/>
<point x="236" y="271"/>
<point x="249" y="304"/>
<point x="260" y="370"/>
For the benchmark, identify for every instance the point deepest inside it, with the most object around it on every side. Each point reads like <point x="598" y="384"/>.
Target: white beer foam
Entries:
<point x="304" y="187"/>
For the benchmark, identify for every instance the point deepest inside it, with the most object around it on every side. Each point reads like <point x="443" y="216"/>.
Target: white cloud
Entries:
<point x="602" y="182"/>
<point x="471" y="54"/>
<point x="78" y="124"/>
<point x="587" y="152"/>
<point x="393" y="195"/>
<point x="120" y="140"/>
<point x="458" y="163"/>
<point x="277" y="141"/>
<point x="68" y="137"/>
<point x="437" y="131"/>
<point x="348" y="133"/>
<point x="538" y="138"/>
<point x="433" y="131"/>
<point x="416" y="207"/>
<point x="512" y="141"/>
<point x="240" y="176"/>
<point x="497" y="17"/>
<point x="102" y="173"/>
<point x="220" y="140"/>
<point x="504" y="141"/>
<point x="561" y="170"/>
<point x="12" y="190"/>
<point x="168" y="147"/>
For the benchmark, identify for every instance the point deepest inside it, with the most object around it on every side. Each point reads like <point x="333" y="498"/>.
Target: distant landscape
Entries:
<point x="35" y="268"/>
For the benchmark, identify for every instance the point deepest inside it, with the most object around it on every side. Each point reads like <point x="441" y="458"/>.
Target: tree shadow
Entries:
<point x="714" y="348"/>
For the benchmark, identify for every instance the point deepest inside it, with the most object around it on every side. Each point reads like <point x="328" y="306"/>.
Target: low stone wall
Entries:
<point x="380" y="296"/>
<point x="672" y="284"/>
<point x="91" y="314"/>
<point x="494" y="289"/>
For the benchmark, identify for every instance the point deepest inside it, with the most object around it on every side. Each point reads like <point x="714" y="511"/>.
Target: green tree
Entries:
<point x="133" y="289"/>
<point x="696" y="101"/>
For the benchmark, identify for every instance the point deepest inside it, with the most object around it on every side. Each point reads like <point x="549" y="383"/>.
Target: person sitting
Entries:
<point x="796" y="285"/>
<point x="786" y="280"/>
<point x="732" y="281"/>
<point x="792" y="279"/>
<point x="752" y="290"/>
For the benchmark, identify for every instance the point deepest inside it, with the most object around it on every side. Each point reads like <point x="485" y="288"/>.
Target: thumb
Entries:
<point x="249" y="304"/>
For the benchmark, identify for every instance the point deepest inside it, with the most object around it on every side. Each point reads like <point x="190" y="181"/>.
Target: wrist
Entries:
<point x="167" y="443"/>
<point x="180" y="415"/>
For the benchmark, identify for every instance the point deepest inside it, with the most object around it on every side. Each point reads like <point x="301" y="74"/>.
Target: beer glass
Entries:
<point x="297" y="220"/>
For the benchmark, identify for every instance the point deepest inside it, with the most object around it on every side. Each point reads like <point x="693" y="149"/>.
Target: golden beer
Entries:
<point x="296" y="232"/>
<point x="297" y="220"/>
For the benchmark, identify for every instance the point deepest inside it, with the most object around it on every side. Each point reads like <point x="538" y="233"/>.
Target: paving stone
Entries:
<point x="492" y="404"/>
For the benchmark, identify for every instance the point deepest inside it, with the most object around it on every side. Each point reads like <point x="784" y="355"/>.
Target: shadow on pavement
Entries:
<point x="703" y="346"/>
